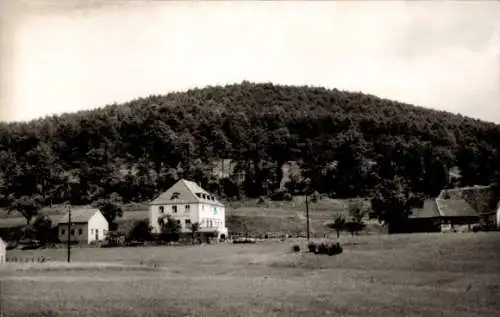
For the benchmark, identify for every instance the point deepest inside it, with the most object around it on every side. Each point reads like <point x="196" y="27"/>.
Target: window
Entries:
<point x="104" y="231"/>
<point x="174" y="209"/>
<point x="175" y="195"/>
<point x="178" y="222"/>
<point x="80" y="231"/>
<point x="188" y="222"/>
<point x="63" y="231"/>
<point x="162" y="209"/>
<point x="187" y="208"/>
<point x="91" y="231"/>
<point x="72" y="232"/>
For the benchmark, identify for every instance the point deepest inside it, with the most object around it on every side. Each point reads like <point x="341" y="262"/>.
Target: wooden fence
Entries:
<point x="40" y="259"/>
<point x="271" y="235"/>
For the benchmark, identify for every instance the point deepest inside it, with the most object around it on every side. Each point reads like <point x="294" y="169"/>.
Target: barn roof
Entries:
<point x="428" y="210"/>
<point x="455" y="208"/>
<point x="185" y="192"/>
<point x="79" y="215"/>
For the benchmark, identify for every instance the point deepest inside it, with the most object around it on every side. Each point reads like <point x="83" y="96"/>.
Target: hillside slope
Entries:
<point x="236" y="140"/>
<point x="243" y="217"/>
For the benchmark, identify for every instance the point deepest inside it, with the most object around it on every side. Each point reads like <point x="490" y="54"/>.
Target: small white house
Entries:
<point x="188" y="203"/>
<point x="3" y="251"/>
<point x="87" y="225"/>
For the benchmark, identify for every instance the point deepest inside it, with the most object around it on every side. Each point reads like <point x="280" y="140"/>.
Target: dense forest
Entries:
<point x="345" y="144"/>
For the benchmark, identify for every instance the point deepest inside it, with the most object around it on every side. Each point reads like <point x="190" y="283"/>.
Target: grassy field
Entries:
<point x="378" y="275"/>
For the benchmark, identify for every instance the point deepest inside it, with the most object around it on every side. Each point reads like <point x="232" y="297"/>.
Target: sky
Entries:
<point x="65" y="56"/>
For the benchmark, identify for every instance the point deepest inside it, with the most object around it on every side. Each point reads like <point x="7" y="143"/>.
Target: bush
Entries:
<point x="141" y="231"/>
<point x="32" y="246"/>
<point x="11" y="245"/>
<point x="313" y="248"/>
<point x="315" y="197"/>
<point x="281" y="196"/>
<point x="114" y="239"/>
<point x="296" y="248"/>
<point x="325" y="247"/>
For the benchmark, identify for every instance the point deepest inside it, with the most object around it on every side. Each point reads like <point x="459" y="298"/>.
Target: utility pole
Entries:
<point x="307" y="217"/>
<point x="69" y="231"/>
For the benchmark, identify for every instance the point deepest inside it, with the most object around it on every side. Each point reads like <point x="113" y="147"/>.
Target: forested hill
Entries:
<point x="342" y="143"/>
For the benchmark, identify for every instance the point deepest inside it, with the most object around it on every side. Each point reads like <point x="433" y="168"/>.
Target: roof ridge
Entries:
<point x="187" y="187"/>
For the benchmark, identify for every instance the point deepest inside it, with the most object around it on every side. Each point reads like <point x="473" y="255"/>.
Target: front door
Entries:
<point x="97" y="234"/>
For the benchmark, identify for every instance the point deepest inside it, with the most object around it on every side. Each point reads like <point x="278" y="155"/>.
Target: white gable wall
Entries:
<point x="97" y="228"/>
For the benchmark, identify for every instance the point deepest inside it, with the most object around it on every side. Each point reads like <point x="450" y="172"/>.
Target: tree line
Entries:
<point x="346" y="144"/>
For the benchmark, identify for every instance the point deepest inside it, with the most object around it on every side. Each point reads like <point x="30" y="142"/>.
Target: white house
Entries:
<point x="188" y="203"/>
<point x="87" y="225"/>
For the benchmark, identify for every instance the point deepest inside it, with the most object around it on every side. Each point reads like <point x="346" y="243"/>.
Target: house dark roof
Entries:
<point x="185" y="192"/>
<point x="428" y="210"/>
<point x="455" y="208"/>
<point x="79" y="215"/>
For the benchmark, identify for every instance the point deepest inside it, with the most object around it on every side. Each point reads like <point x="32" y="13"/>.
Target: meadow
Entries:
<point x="376" y="275"/>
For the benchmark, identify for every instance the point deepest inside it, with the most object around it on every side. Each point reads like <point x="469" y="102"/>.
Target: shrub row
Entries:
<point x="325" y="247"/>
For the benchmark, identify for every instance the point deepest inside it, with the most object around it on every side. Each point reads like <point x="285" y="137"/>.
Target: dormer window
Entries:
<point x="198" y="195"/>
<point x="175" y="196"/>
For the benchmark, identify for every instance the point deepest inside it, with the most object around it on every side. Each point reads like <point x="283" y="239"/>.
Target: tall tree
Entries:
<point x="27" y="206"/>
<point x="110" y="208"/>
<point x="338" y="224"/>
<point x="392" y="202"/>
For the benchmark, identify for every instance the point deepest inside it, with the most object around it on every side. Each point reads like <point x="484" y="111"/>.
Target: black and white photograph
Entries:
<point x="249" y="158"/>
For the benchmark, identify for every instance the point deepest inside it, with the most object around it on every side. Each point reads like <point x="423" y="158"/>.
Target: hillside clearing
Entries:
<point x="241" y="216"/>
